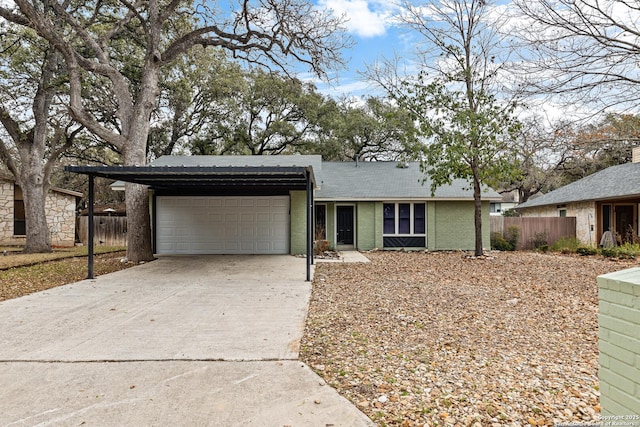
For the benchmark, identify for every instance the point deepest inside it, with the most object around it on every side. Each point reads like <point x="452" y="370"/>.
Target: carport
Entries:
<point x="235" y="180"/>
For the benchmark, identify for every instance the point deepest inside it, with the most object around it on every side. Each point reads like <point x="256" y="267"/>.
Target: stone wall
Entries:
<point x="6" y="210"/>
<point x="619" y="346"/>
<point x="61" y="217"/>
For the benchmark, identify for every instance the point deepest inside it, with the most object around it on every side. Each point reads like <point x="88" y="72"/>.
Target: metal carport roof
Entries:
<point x="180" y="177"/>
<point x="206" y="177"/>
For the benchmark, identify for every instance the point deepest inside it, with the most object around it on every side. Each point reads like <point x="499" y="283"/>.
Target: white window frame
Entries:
<point x="396" y="217"/>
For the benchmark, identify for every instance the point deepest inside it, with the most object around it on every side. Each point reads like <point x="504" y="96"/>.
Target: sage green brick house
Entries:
<point x="389" y="205"/>
<point x="250" y="208"/>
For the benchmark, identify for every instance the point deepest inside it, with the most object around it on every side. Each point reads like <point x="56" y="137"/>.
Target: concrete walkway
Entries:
<point x="209" y="340"/>
<point x="346" y="256"/>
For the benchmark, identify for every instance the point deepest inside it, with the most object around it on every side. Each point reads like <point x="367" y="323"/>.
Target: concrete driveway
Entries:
<point x="205" y="340"/>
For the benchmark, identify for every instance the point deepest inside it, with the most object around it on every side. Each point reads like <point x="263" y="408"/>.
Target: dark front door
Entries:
<point x="344" y="220"/>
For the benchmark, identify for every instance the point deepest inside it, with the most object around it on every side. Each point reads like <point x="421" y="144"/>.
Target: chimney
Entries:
<point x="635" y="155"/>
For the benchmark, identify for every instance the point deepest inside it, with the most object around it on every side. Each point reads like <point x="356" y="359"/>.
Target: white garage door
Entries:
<point x="222" y="225"/>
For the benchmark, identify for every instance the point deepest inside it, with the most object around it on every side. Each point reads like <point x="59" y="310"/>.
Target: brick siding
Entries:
<point x="619" y="345"/>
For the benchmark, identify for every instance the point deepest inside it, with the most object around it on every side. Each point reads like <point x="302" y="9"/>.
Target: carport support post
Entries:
<point x="90" y="227"/>
<point x="309" y="225"/>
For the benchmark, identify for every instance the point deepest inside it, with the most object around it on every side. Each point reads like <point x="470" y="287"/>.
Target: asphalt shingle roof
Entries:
<point x="346" y="180"/>
<point x="614" y="182"/>
<point x="385" y="181"/>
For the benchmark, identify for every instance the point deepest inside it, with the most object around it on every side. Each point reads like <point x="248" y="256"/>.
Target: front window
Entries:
<point x="419" y="219"/>
<point x="321" y="222"/>
<point x="389" y="218"/>
<point x="19" y="222"/>
<point x="404" y="218"/>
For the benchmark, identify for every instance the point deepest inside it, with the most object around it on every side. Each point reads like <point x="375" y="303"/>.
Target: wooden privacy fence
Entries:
<point x="554" y="227"/>
<point x="108" y="230"/>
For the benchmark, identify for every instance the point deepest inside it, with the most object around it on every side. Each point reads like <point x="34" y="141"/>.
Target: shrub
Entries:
<point x="540" y="241"/>
<point x="609" y="252"/>
<point x="566" y="245"/>
<point x="632" y="249"/>
<point x="321" y="246"/>
<point x="508" y="242"/>
<point x="512" y="235"/>
<point x="499" y="243"/>
<point x="631" y="236"/>
<point x="626" y="251"/>
<point x="586" y="250"/>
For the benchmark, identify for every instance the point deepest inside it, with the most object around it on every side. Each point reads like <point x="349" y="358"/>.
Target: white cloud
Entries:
<point x="365" y="18"/>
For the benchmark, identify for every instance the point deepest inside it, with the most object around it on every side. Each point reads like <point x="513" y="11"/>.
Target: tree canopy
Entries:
<point x="583" y="53"/>
<point x="91" y="35"/>
<point x="36" y="129"/>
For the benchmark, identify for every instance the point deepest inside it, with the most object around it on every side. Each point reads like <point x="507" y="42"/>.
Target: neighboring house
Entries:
<point x="60" y="208"/>
<point x="508" y="201"/>
<point x="604" y="201"/>
<point x="258" y="204"/>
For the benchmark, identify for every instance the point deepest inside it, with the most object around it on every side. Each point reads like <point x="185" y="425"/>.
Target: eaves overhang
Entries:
<point x="194" y="177"/>
<point x="402" y="199"/>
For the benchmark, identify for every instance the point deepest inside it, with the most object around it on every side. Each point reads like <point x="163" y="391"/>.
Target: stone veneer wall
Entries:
<point x="619" y="346"/>
<point x="61" y="217"/>
<point x="585" y="218"/>
<point x="6" y="211"/>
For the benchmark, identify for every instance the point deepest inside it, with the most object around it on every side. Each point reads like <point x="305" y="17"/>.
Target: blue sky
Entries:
<point x="370" y="24"/>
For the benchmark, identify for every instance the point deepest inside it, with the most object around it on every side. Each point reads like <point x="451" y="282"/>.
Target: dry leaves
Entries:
<point x="440" y="339"/>
<point x="19" y="281"/>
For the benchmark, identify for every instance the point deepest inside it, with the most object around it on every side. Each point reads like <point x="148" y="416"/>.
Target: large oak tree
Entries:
<point x="89" y="36"/>
<point x="373" y="129"/>
<point x="36" y="129"/>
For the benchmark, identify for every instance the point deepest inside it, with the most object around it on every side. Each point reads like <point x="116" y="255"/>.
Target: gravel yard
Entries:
<point x="418" y="339"/>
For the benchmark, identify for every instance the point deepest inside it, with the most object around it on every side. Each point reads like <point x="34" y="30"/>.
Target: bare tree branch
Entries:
<point x="580" y="51"/>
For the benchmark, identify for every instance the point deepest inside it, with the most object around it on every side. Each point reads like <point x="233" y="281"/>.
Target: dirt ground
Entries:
<point x="443" y="339"/>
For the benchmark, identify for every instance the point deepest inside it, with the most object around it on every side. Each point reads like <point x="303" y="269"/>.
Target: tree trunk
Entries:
<point x="477" y="194"/>
<point x="34" y="192"/>
<point x="135" y="154"/>
<point x="137" y="200"/>
<point x="138" y="223"/>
